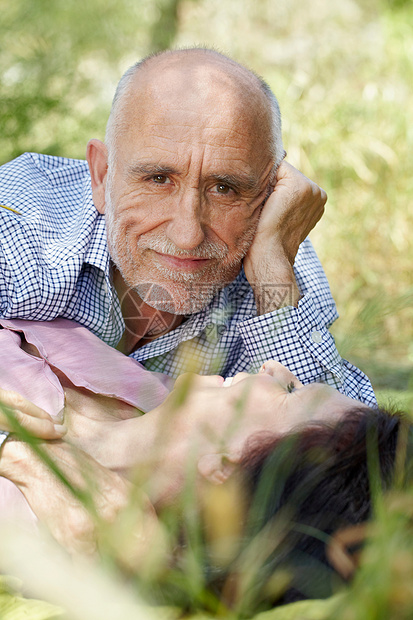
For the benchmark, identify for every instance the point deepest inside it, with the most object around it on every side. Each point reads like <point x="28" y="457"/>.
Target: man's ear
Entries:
<point x="97" y="159"/>
<point x="217" y="468"/>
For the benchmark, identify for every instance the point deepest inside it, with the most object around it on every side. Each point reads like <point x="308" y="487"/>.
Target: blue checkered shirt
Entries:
<point x="54" y="262"/>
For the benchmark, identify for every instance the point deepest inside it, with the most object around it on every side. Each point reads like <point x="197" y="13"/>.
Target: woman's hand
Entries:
<point x="14" y="407"/>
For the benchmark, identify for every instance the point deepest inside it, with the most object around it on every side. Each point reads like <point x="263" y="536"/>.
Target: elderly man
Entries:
<point x="202" y="267"/>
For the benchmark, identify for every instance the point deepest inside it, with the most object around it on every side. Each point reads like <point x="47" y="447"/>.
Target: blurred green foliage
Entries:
<point x="60" y="64"/>
<point x="342" y="72"/>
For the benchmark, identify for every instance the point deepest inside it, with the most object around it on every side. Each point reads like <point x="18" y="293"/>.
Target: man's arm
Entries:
<point x="294" y="303"/>
<point x="290" y="213"/>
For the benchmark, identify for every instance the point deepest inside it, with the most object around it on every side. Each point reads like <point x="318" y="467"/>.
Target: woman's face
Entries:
<point x="212" y="420"/>
<point x="272" y="400"/>
<point x="277" y="397"/>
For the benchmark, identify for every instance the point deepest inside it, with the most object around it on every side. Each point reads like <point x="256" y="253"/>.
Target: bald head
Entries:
<point x="195" y="79"/>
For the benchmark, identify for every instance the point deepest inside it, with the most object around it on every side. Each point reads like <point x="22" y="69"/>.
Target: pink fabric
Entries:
<point x="30" y="376"/>
<point x="85" y="360"/>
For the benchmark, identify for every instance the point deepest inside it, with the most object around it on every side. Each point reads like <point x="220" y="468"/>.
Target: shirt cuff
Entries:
<point x="296" y="337"/>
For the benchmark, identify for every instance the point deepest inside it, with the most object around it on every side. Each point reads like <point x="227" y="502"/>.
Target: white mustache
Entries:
<point x="163" y="245"/>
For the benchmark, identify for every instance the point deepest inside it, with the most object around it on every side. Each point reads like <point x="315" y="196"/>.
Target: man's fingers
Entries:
<point x="16" y="401"/>
<point x="285" y="170"/>
<point x="323" y="195"/>
<point x="298" y="183"/>
<point x="38" y="427"/>
<point x="28" y="415"/>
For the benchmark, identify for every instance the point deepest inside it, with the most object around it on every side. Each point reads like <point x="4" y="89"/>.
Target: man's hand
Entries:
<point x="33" y="419"/>
<point x="290" y="213"/>
<point x="53" y="503"/>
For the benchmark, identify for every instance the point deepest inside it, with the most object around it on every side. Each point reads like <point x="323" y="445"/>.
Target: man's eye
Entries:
<point x="222" y="188"/>
<point x="160" y="178"/>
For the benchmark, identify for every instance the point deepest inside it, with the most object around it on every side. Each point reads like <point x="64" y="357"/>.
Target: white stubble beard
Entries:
<point x="180" y="293"/>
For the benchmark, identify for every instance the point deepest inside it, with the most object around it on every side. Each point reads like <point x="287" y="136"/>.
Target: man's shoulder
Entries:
<point x="49" y="211"/>
<point x="47" y="191"/>
<point x="49" y="168"/>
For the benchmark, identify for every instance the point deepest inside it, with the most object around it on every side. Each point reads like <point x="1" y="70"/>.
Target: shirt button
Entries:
<point x="316" y="336"/>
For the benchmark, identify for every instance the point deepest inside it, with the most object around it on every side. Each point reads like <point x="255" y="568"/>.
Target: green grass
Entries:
<point x="402" y="400"/>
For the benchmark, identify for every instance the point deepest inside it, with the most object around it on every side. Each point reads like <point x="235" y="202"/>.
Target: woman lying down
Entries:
<point x="297" y="454"/>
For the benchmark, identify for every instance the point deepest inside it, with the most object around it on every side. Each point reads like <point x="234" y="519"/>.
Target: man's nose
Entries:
<point x="185" y="227"/>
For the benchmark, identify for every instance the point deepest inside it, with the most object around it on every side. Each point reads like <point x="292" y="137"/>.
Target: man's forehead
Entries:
<point x="217" y="145"/>
<point x="192" y="104"/>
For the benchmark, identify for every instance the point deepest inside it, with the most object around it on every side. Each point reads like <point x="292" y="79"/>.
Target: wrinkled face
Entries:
<point x="185" y="191"/>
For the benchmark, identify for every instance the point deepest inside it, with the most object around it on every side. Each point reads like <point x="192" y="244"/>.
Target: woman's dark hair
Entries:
<point x="304" y="487"/>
